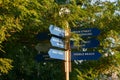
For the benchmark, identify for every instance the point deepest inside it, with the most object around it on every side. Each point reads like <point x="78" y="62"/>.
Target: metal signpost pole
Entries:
<point x="67" y="53"/>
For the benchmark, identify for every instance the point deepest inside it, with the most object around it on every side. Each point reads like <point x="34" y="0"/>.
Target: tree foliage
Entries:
<point x="21" y="20"/>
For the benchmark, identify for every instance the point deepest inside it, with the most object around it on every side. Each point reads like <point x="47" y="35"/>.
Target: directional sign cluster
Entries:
<point x="57" y="42"/>
<point x="88" y="43"/>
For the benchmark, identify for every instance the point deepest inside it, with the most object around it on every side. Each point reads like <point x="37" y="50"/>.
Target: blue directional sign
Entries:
<point x="43" y="36"/>
<point x="87" y="43"/>
<point x="57" y="54"/>
<point x="85" y="55"/>
<point x="56" y="42"/>
<point x="56" y="31"/>
<point x="43" y="57"/>
<point x="87" y="31"/>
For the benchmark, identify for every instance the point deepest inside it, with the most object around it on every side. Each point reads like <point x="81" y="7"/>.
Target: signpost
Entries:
<point x="66" y="54"/>
<point x="56" y="42"/>
<point x="87" y="31"/>
<point x="85" y="55"/>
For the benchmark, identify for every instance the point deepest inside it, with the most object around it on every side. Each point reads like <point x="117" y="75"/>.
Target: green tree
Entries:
<point x="21" y="20"/>
<point x="8" y="24"/>
<point x="103" y="15"/>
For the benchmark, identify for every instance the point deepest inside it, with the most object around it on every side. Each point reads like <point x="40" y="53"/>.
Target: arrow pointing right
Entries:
<point x="87" y="31"/>
<point x="85" y="55"/>
<point x="87" y="43"/>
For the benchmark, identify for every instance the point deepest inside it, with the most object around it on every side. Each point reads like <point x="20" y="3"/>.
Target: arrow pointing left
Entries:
<point x="57" y="54"/>
<point x="56" y="31"/>
<point x="56" y="42"/>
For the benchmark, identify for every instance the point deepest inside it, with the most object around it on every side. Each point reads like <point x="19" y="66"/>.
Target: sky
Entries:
<point x="106" y="0"/>
<point x="110" y="0"/>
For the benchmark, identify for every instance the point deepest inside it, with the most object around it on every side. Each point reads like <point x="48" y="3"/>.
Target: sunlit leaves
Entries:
<point x="5" y="65"/>
<point x="21" y="20"/>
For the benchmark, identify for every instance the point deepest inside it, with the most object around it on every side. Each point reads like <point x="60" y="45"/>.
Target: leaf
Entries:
<point x="5" y="65"/>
